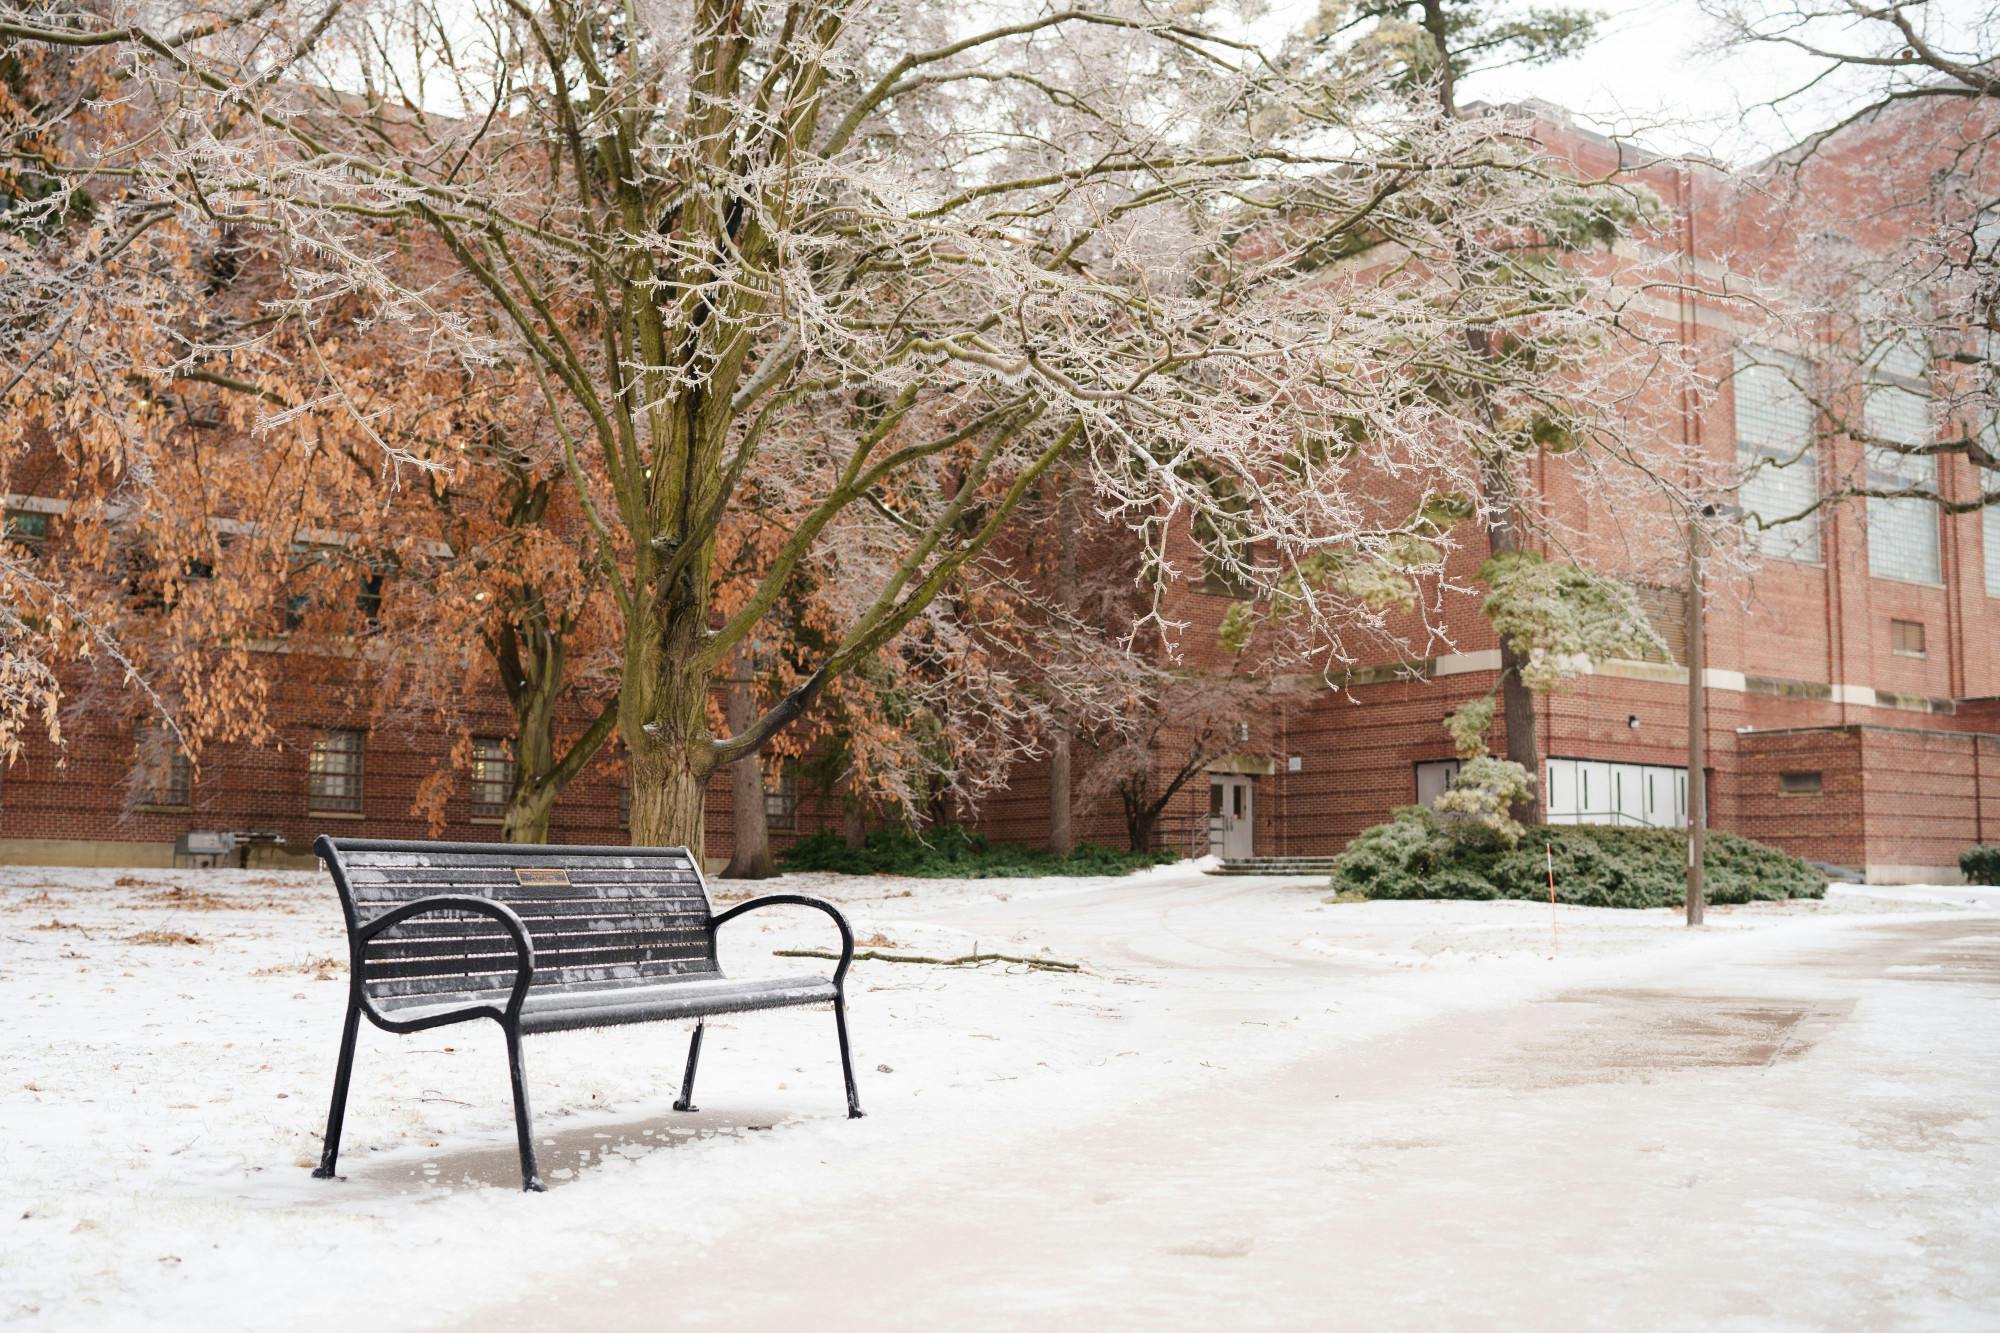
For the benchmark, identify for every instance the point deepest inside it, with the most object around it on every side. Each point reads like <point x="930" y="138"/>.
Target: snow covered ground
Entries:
<point x="1252" y="1108"/>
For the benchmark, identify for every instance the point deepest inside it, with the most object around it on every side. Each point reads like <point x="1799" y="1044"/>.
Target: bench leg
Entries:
<point x="530" y="1178"/>
<point x="686" y="1103"/>
<point x="337" y="1113"/>
<point x="846" y="1060"/>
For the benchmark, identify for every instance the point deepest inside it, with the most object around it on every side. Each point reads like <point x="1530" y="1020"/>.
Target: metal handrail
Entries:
<point x="1613" y="817"/>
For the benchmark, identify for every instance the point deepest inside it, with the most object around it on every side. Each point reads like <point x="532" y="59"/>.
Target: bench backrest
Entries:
<point x="597" y="916"/>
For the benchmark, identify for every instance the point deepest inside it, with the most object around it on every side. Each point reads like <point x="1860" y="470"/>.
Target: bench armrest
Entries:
<point x="509" y="920"/>
<point x="797" y="900"/>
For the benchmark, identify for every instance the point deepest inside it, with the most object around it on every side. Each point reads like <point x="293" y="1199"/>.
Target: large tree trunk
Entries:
<point x="528" y="813"/>
<point x="669" y="796"/>
<point x="1062" y="836"/>
<point x="663" y="709"/>
<point x="750" y="855"/>
<point x="1517" y="701"/>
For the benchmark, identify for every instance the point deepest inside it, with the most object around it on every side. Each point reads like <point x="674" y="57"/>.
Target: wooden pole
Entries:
<point x="1697" y="667"/>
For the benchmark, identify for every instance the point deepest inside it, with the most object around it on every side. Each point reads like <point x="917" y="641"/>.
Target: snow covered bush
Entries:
<point x="1981" y="863"/>
<point x="1417" y="855"/>
<point x="1476" y="807"/>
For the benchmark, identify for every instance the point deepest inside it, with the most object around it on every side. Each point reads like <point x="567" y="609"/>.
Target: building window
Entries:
<point x="166" y="777"/>
<point x="625" y="805"/>
<point x="1902" y="533"/>
<point x="1434" y="779"/>
<point x="1989" y="531"/>
<point x="1775" y="449"/>
<point x="1590" y="791"/>
<point x="781" y="803"/>
<point x="1801" y="783"/>
<point x="492" y="778"/>
<point x="27" y="528"/>
<point x="368" y="599"/>
<point x="1906" y="638"/>
<point x="335" y="783"/>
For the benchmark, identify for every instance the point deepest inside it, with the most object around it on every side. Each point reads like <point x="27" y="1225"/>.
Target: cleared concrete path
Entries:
<point x="1800" y="1130"/>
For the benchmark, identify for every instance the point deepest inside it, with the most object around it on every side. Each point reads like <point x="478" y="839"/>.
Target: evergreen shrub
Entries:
<point x="1596" y="865"/>
<point x="1981" y="864"/>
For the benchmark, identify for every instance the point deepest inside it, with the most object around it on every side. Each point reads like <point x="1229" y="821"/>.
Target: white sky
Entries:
<point x="1646" y="77"/>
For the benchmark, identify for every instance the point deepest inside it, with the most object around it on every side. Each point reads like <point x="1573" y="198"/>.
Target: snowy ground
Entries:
<point x="1251" y="1109"/>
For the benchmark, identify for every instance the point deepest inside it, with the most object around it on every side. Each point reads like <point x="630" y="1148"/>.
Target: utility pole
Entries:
<point x="1697" y="664"/>
<point x="1697" y="668"/>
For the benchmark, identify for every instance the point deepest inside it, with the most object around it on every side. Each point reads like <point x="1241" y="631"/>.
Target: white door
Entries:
<point x="1231" y="816"/>
<point x="1628" y="795"/>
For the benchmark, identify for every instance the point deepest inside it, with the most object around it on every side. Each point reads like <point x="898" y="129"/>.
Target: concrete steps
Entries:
<point x="1277" y="865"/>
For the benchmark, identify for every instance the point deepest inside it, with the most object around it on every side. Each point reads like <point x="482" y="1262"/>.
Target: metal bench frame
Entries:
<point x="362" y="934"/>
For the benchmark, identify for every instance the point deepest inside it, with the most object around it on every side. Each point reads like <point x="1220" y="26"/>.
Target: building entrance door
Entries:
<point x="1232" y="815"/>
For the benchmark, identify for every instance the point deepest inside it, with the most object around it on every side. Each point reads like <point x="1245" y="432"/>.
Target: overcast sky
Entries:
<point x="1646" y="77"/>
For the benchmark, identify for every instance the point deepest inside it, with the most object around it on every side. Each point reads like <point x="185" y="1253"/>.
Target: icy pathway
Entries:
<point x="1787" y="1130"/>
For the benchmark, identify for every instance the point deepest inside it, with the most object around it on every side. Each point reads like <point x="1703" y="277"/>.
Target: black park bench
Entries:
<point x="544" y="939"/>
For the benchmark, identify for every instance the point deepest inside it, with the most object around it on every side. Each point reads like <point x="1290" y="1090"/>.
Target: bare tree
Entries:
<point x="885" y="267"/>
<point x="1888" y="271"/>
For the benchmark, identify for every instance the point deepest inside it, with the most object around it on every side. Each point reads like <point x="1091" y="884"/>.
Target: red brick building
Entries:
<point x="1852" y="687"/>
<point x="1852" y="684"/>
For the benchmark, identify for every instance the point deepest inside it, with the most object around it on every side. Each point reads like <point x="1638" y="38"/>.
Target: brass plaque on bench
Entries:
<point x="542" y="877"/>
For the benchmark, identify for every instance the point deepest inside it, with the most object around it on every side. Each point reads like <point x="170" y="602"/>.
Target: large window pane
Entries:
<point x="1902" y="533"/>
<point x="335" y="781"/>
<point x="1774" y="447"/>
<point x="1989" y="519"/>
<point x="492" y="778"/>
<point x="166" y="774"/>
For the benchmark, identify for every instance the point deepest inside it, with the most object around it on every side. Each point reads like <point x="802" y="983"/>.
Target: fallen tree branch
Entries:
<point x="963" y="960"/>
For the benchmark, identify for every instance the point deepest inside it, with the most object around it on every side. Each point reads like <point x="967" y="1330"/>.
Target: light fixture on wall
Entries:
<point x="1633" y="721"/>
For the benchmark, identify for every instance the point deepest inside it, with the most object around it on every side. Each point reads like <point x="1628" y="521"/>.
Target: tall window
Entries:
<point x="781" y="803"/>
<point x="1902" y="533"/>
<point x="368" y="597"/>
<point x="1989" y="530"/>
<point x="334" y="786"/>
<point x="492" y="778"/>
<point x="166" y="777"/>
<point x="1774" y="447"/>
